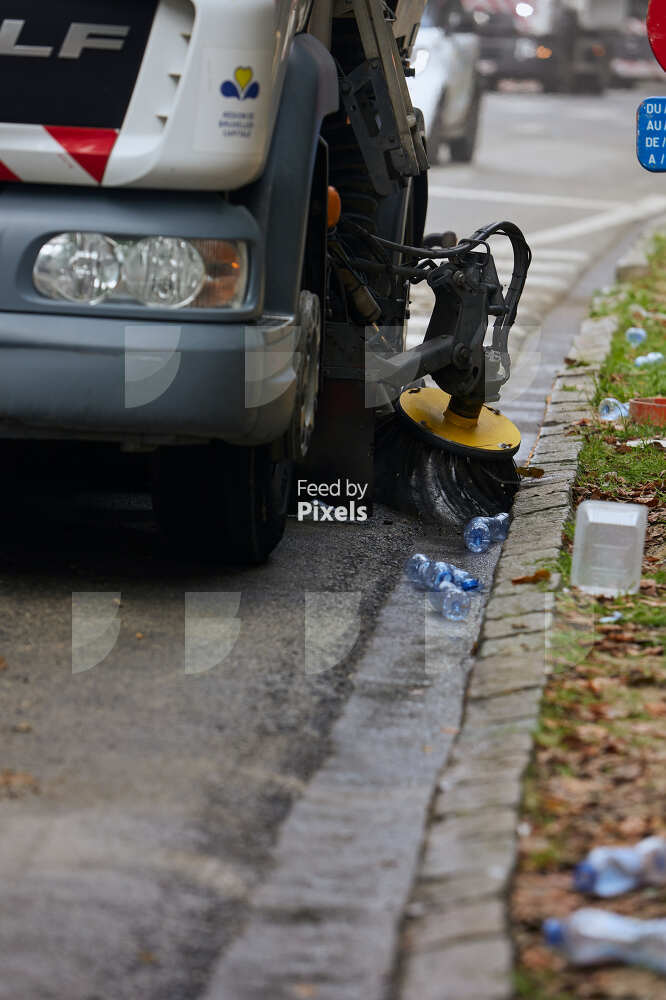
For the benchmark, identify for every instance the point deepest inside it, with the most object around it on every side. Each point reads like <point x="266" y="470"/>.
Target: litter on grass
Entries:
<point x="608" y="547"/>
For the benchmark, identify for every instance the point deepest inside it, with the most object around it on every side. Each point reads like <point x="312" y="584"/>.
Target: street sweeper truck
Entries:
<point x="211" y="217"/>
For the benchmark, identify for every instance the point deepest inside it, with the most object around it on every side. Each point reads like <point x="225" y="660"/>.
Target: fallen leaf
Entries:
<point x="541" y="574"/>
<point x="304" y="991"/>
<point x="13" y="784"/>
<point x="3" y="663"/>
<point x="22" y="727"/>
<point x="590" y="733"/>
<point x="633" y="826"/>
<point x="531" y="472"/>
<point x="537" y="958"/>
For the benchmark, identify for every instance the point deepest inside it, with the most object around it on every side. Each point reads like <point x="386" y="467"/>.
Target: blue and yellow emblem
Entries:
<point x="242" y="86"/>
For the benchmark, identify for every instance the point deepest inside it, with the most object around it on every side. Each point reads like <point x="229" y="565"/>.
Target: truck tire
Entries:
<point x="462" y="149"/>
<point x="222" y="502"/>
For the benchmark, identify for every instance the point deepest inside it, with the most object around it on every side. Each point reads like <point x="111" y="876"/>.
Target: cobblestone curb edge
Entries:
<point x="456" y="943"/>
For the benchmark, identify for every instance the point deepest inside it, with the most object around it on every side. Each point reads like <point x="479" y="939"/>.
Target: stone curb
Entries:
<point x="456" y="940"/>
<point x="634" y="264"/>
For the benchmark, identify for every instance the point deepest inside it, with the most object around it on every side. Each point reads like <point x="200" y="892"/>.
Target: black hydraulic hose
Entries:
<point x="423" y="252"/>
<point x="522" y="258"/>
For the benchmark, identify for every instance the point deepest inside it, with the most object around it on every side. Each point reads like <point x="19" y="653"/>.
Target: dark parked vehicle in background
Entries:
<point x="566" y="48"/>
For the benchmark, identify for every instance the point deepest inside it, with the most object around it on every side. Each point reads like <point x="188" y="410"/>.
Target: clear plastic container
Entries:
<point x="608" y="547"/>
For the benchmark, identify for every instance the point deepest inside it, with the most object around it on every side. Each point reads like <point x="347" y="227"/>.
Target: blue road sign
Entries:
<point x="651" y="134"/>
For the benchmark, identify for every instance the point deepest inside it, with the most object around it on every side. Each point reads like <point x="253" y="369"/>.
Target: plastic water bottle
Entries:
<point x="611" y="408"/>
<point x="635" y="335"/>
<point x="649" y="359"/>
<point x="481" y="532"/>
<point x="609" y="871"/>
<point x="450" y="601"/>
<point x="416" y="566"/>
<point x="589" y="937"/>
<point x="438" y="573"/>
<point x="429" y="574"/>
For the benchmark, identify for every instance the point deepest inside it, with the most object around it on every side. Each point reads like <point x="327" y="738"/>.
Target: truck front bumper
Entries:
<point x="82" y="377"/>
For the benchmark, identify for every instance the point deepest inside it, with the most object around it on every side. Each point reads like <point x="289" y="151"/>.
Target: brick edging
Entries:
<point x="456" y="942"/>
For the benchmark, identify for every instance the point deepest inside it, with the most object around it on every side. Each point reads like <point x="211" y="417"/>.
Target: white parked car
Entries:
<point x="446" y="85"/>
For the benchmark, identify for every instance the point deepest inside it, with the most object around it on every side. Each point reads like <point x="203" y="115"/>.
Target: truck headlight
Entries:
<point x="79" y="267"/>
<point x="163" y="271"/>
<point x="156" y="271"/>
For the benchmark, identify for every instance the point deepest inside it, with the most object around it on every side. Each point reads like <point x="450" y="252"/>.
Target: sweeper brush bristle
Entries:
<point x="418" y="478"/>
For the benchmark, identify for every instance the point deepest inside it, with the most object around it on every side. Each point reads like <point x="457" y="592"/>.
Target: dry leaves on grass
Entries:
<point x="599" y="777"/>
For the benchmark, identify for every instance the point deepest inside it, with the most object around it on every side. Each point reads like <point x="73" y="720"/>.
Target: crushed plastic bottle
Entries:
<point x="450" y="601"/>
<point x="481" y="532"/>
<point x="443" y="572"/>
<point x="610" y="619"/>
<point x="609" y="871"/>
<point x="611" y="408"/>
<point x="429" y="574"/>
<point x="653" y="358"/>
<point x="635" y="335"/>
<point x="590" y="937"/>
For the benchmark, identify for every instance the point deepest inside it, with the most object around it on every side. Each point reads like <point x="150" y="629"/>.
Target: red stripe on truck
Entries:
<point x="6" y="174"/>
<point x="90" y="147"/>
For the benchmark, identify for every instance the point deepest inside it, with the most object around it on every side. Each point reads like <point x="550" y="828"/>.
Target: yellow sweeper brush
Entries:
<point x="443" y="449"/>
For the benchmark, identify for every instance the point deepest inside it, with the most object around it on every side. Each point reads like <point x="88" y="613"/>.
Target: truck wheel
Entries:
<point x="222" y="502"/>
<point x="462" y="150"/>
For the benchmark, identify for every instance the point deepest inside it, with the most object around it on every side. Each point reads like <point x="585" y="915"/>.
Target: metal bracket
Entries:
<point x="344" y="352"/>
<point x="377" y="101"/>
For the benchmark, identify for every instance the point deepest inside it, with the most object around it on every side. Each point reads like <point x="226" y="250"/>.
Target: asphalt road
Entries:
<point x="165" y="770"/>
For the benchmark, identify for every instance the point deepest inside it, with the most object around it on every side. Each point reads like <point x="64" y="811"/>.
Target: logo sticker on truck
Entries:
<point x="233" y="104"/>
<point x="241" y="89"/>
